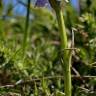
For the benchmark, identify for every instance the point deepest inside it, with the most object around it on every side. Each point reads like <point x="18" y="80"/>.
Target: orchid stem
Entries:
<point x="66" y="53"/>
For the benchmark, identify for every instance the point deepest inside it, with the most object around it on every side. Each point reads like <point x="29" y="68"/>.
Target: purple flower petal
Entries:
<point x="41" y="3"/>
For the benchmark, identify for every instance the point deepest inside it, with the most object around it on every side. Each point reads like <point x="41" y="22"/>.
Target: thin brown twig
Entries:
<point x="75" y="71"/>
<point x="23" y="82"/>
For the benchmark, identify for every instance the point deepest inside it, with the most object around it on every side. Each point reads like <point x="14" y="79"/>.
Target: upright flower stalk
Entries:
<point x="66" y="54"/>
<point x="64" y="45"/>
<point x="55" y="4"/>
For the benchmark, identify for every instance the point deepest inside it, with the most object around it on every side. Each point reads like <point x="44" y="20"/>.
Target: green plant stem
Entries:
<point x="26" y="27"/>
<point x="66" y="53"/>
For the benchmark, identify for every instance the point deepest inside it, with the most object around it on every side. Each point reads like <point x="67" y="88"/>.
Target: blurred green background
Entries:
<point x="41" y="67"/>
